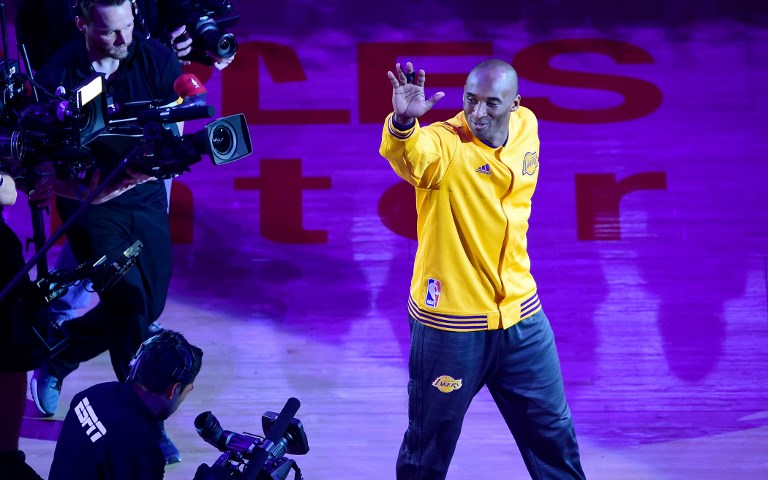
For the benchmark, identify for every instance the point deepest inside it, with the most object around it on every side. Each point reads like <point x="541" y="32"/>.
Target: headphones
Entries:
<point x="182" y="375"/>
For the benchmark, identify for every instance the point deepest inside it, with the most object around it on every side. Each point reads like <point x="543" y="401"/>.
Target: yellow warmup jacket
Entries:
<point x="472" y="270"/>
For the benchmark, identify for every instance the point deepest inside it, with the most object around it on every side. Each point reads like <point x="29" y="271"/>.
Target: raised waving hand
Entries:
<point x="408" y="99"/>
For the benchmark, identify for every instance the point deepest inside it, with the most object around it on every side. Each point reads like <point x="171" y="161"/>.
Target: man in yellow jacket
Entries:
<point x="475" y="316"/>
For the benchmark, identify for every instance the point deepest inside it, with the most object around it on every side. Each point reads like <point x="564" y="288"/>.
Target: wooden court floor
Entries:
<point x="354" y="409"/>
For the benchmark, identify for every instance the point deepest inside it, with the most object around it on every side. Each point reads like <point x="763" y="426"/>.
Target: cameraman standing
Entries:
<point x="135" y="69"/>
<point x="112" y="430"/>
<point x="43" y="26"/>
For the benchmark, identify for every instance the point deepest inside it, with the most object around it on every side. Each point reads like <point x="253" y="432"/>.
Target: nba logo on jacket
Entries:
<point x="433" y="293"/>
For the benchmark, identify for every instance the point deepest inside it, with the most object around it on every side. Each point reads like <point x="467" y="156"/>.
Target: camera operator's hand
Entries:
<point x="204" y="472"/>
<point x="220" y="63"/>
<point x="7" y="190"/>
<point x="182" y="43"/>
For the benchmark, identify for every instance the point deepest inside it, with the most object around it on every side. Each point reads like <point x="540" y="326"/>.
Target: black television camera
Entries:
<point x="77" y="132"/>
<point x="57" y="128"/>
<point x="206" y="21"/>
<point x="158" y="152"/>
<point x="247" y="456"/>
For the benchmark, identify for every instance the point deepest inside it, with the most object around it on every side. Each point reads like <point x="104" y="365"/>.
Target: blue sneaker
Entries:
<point x="45" y="390"/>
<point x="155" y="327"/>
<point x="170" y="452"/>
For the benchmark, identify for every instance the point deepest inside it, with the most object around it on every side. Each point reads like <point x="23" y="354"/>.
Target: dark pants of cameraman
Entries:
<point x="119" y="322"/>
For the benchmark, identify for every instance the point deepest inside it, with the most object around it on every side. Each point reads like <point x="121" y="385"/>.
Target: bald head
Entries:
<point x="495" y="71"/>
<point x="490" y="97"/>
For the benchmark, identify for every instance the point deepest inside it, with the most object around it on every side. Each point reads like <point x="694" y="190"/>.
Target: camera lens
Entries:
<point x="227" y="45"/>
<point x="12" y="147"/>
<point x="223" y="140"/>
<point x="208" y="427"/>
<point x="214" y="39"/>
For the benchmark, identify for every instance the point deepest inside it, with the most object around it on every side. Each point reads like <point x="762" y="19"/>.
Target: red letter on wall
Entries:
<point x="240" y="83"/>
<point x="640" y="97"/>
<point x="282" y="212"/>
<point x="374" y="92"/>
<point x="597" y="201"/>
<point x="397" y="210"/>
<point x="181" y="214"/>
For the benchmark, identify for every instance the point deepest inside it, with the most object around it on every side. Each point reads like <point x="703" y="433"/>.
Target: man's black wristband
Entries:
<point x="402" y="127"/>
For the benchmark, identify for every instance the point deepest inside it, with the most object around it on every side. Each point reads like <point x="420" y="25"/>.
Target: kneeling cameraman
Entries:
<point x="113" y="430"/>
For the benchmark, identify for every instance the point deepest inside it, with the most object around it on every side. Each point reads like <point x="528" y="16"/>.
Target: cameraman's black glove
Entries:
<point x="204" y="472"/>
